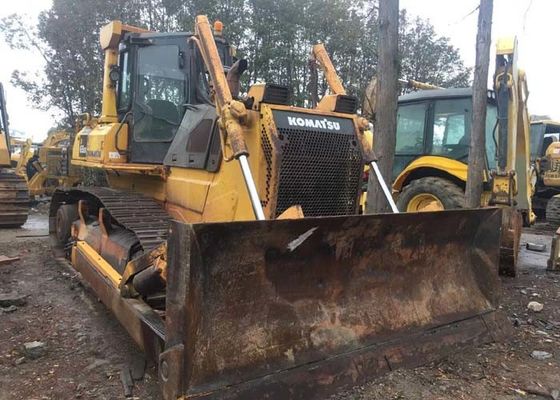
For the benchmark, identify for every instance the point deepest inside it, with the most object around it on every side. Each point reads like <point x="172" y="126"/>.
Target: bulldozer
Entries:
<point x="228" y="242"/>
<point x="14" y="199"/>
<point x="432" y="149"/>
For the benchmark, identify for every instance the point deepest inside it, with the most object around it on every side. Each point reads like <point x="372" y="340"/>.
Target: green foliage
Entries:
<point x="274" y="35"/>
<point x="427" y="57"/>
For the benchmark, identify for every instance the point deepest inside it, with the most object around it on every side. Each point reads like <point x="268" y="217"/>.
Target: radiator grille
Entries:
<point x="267" y="151"/>
<point x="320" y="171"/>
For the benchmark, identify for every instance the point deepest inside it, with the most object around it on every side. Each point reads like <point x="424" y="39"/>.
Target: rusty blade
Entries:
<point x="254" y="307"/>
<point x="512" y="223"/>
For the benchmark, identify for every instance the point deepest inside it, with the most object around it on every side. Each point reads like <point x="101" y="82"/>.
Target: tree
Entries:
<point x="428" y="57"/>
<point x="67" y="36"/>
<point x="475" y="175"/>
<point x="385" y="124"/>
<point x="274" y="35"/>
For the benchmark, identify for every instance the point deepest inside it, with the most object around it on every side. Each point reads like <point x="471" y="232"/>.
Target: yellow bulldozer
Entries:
<point x="14" y="199"/>
<point x="229" y="244"/>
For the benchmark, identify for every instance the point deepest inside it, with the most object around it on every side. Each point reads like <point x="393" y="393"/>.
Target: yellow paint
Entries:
<point x="101" y="266"/>
<point x="452" y="167"/>
<point x="5" y="160"/>
<point x="106" y="143"/>
<point x="518" y="168"/>
<point x="109" y="39"/>
<point x="424" y="202"/>
<point x="192" y="195"/>
<point x="26" y="152"/>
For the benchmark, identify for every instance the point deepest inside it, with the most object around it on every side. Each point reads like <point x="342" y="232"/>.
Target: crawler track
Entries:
<point x="14" y="200"/>
<point x="141" y="215"/>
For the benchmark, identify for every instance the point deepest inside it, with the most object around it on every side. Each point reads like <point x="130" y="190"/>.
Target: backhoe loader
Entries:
<point x="432" y="149"/>
<point x="229" y="244"/>
<point x="14" y="200"/>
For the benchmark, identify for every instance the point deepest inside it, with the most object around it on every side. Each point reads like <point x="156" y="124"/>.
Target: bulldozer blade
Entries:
<point x="296" y="309"/>
<point x="512" y="222"/>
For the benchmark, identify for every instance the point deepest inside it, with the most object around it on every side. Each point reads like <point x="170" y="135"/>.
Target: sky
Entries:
<point x="532" y="21"/>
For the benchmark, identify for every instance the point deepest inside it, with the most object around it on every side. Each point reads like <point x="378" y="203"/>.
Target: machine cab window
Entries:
<point x="451" y="128"/>
<point x="410" y="129"/>
<point x="161" y="89"/>
<point x="152" y="92"/>
<point x="439" y="127"/>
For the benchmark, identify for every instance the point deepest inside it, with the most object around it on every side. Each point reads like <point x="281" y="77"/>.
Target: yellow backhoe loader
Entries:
<point x="228" y="243"/>
<point x="14" y="200"/>
<point x="432" y="148"/>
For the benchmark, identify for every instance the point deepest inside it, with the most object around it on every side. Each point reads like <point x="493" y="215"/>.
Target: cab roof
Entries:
<point x="431" y="94"/>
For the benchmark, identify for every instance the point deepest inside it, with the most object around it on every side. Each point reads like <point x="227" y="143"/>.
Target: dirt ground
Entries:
<point x="87" y="351"/>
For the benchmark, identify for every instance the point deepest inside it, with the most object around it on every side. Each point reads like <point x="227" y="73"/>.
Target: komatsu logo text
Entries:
<point x="314" y="123"/>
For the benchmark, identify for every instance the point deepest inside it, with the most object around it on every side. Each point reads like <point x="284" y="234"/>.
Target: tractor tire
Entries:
<point x="447" y="195"/>
<point x="65" y="216"/>
<point x="553" y="211"/>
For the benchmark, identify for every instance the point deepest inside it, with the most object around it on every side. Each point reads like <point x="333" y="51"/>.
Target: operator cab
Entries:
<point x="161" y="76"/>
<point x="438" y="123"/>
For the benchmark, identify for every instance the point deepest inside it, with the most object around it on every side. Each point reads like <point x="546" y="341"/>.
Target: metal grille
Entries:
<point x="320" y="171"/>
<point x="267" y="151"/>
<point x="554" y="165"/>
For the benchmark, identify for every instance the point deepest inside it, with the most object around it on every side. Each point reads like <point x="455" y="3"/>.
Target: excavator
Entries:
<point x="14" y="199"/>
<point x="432" y="149"/>
<point x="228" y="241"/>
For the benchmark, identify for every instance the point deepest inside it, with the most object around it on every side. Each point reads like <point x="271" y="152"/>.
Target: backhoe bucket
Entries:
<point x="296" y="309"/>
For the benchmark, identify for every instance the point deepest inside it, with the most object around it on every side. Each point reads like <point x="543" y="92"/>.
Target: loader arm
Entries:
<point x="511" y="180"/>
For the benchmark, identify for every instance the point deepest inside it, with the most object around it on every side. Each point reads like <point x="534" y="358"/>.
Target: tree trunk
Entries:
<point x="473" y="191"/>
<point x="385" y="124"/>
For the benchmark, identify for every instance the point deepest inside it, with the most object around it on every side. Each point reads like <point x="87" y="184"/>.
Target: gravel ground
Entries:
<point x="86" y="351"/>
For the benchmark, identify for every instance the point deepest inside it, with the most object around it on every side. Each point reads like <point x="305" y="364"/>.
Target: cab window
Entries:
<point x="124" y="85"/>
<point x="159" y="103"/>
<point x="410" y="129"/>
<point x="451" y="128"/>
